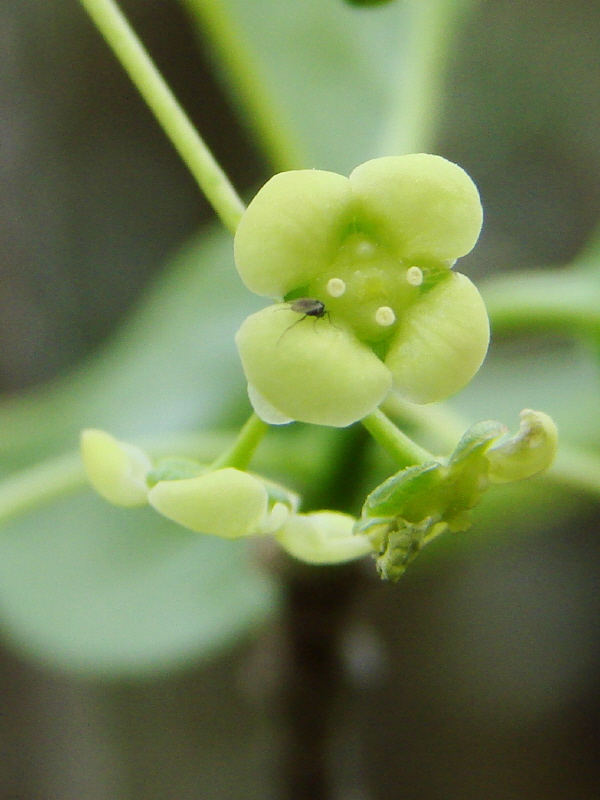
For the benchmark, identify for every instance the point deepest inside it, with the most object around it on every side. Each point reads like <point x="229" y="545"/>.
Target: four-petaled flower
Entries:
<point x="373" y="252"/>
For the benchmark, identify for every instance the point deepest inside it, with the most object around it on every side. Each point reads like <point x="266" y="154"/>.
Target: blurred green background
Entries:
<point x="477" y="676"/>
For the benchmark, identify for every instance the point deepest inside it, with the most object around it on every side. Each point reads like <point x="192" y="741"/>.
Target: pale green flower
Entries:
<point x="323" y="537"/>
<point x="373" y="252"/>
<point x="225" y="502"/>
<point x="117" y="470"/>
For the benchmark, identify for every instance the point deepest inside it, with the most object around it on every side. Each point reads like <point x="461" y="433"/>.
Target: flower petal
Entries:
<point x="265" y="410"/>
<point x="441" y="342"/>
<point x="116" y="470"/>
<point x="423" y="205"/>
<point x="324" y="537"/>
<point x="291" y="230"/>
<point x="310" y="369"/>
<point x="227" y="502"/>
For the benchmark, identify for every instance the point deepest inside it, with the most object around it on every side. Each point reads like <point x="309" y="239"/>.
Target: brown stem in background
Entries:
<point x="318" y="602"/>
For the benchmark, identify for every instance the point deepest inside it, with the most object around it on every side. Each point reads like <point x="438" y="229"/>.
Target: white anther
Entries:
<point x="414" y="276"/>
<point x="336" y="287"/>
<point x="385" y="316"/>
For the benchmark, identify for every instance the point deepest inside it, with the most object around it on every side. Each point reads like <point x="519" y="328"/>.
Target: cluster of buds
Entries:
<point x="366" y="302"/>
<point x="224" y="502"/>
<point x="416" y="505"/>
<point x="398" y="519"/>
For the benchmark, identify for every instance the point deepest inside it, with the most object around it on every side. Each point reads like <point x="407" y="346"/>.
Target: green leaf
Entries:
<point x="163" y="371"/>
<point x="419" y="503"/>
<point x="316" y="78"/>
<point x="477" y="439"/>
<point x="89" y="587"/>
<point x="558" y="377"/>
<point x="391" y="497"/>
<point x="324" y="84"/>
<point x="439" y="489"/>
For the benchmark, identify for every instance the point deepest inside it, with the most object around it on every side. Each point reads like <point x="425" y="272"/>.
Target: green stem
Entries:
<point x="432" y="27"/>
<point x="577" y="469"/>
<point x="566" y="300"/>
<point x="397" y="444"/>
<point x="437" y="422"/>
<point x="43" y="483"/>
<point x="141" y="69"/>
<point x="218" y="23"/>
<point x="240" y="453"/>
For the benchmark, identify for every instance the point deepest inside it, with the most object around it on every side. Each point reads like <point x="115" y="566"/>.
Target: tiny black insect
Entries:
<point x="308" y="307"/>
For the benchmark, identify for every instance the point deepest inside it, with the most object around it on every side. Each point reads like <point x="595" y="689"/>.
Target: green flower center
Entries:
<point x="367" y="288"/>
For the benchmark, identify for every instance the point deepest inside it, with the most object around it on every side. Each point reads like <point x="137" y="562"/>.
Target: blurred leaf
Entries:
<point x="559" y="378"/>
<point x="367" y="2"/>
<point x="164" y="371"/>
<point x="88" y="587"/>
<point x="317" y="77"/>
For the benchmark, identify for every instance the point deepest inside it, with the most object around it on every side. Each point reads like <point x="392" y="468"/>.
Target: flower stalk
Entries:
<point x="399" y="446"/>
<point x="241" y="451"/>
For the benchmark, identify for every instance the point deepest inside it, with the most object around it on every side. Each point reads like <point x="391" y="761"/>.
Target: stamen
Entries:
<point x="336" y="287"/>
<point x="385" y="316"/>
<point x="414" y="276"/>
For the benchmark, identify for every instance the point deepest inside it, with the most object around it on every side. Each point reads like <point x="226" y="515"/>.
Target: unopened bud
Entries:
<point x="117" y="470"/>
<point x="528" y="452"/>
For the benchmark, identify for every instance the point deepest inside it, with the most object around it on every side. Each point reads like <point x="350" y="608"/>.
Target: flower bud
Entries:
<point x="116" y="470"/>
<point x="323" y="537"/>
<point x="528" y="452"/>
<point x="227" y="502"/>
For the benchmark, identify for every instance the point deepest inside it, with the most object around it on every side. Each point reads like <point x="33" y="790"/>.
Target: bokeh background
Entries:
<point x="478" y="676"/>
